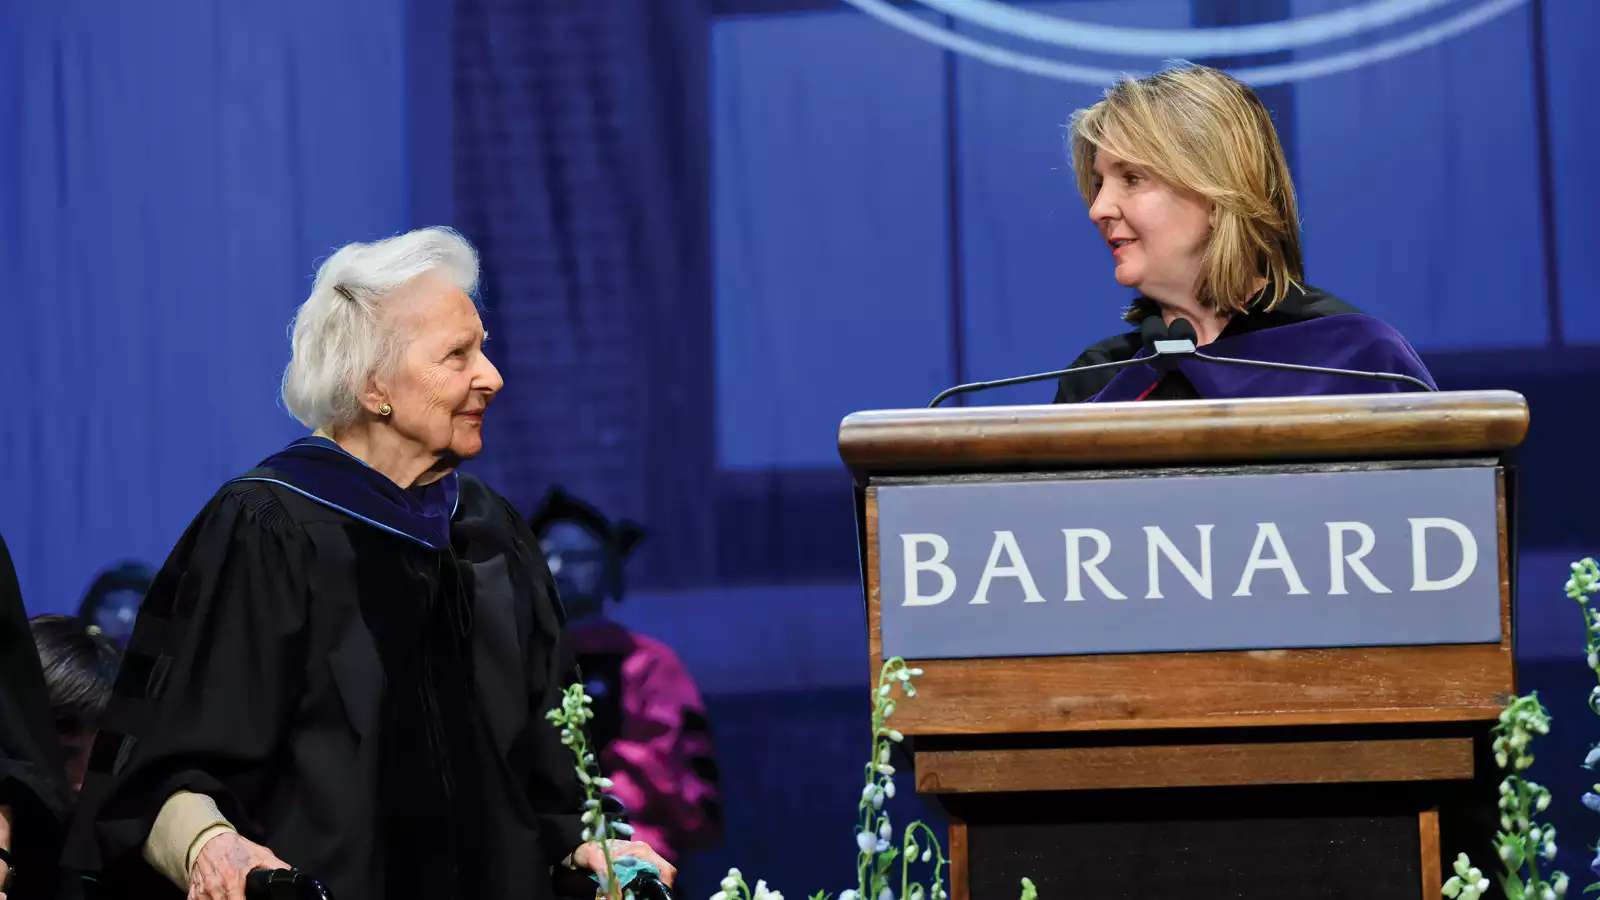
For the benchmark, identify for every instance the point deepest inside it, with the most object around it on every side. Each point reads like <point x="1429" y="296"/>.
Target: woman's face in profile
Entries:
<point x="1156" y="233"/>
<point x="443" y="382"/>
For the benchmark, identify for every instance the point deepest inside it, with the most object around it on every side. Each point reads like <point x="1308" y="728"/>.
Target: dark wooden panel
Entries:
<point x="1313" y="842"/>
<point x="1193" y="765"/>
<point x="997" y="438"/>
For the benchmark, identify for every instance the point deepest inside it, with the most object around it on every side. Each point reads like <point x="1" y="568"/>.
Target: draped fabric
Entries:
<point x="580" y="137"/>
<point x="170" y="175"/>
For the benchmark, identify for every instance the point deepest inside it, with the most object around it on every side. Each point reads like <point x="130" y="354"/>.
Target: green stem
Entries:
<point x="1524" y="800"/>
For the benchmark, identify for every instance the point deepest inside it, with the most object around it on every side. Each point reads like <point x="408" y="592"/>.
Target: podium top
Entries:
<point x="1343" y="427"/>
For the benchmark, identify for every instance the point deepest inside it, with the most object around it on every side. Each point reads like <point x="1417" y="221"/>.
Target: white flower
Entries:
<point x="763" y="894"/>
<point x="888" y="789"/>
<point x="886" y="894"/>
<point x="864" y="841"/>
<point x="868" y="791"/>
<point x="1560" y="884"/>
<point x="849" y="895"/>
<point x="884" y="831"/>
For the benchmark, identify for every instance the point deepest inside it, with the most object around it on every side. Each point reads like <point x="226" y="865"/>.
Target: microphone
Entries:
<point x="1169" y="344"/>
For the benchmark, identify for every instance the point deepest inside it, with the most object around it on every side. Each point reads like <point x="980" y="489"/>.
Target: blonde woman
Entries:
<point x="1188" y="186"/>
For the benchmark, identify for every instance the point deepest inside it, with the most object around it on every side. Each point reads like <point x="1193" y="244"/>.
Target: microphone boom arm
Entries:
<point x="1316" y="370"/>
<point x="949" y="392"/>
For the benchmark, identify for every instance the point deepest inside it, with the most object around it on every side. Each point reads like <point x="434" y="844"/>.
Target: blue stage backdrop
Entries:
<point x="710" y="229"/>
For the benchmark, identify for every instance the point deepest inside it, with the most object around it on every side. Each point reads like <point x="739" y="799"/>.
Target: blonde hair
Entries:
<point x="1201" y="130"/>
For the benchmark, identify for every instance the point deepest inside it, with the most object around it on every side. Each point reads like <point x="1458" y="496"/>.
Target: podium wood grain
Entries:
<point x="998" y="438"/>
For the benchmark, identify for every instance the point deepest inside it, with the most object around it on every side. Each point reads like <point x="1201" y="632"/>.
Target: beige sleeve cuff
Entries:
<point x="186" y="821"/>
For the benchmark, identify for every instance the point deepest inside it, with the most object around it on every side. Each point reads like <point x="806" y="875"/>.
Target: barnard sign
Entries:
<point x="1221" y="562"/>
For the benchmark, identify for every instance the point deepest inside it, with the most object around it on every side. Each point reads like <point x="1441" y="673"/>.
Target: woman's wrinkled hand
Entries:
<point x="590" y="856"/>
<point x="222" y="864"/>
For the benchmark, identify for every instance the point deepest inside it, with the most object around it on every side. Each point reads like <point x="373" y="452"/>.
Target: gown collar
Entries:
<point x="320" y="470"/>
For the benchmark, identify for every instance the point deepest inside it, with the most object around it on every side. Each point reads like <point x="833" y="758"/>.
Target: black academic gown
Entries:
<point x="32" y="779"/>
<point x="368" y="707"/>
<point x="1309" y="327"/>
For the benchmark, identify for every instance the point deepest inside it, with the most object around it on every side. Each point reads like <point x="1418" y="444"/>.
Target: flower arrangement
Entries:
<point x="1522" y="841"/>
<point x="1581" y="589"/>
<point x="877" y="850"/>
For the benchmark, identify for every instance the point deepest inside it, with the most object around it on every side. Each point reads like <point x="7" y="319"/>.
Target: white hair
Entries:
<point x="338" y="336"/>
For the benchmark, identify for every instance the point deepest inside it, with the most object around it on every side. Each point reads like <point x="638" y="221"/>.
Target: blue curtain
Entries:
<point x="170" y="175"/>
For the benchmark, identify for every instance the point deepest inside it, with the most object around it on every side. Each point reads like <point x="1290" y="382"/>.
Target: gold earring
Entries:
<point x="385" y="409"/>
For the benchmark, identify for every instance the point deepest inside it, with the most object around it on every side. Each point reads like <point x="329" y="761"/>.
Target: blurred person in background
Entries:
<point x="112" y="601"/>
<point x="650" y="722"/>
<point x="79" y="665"/>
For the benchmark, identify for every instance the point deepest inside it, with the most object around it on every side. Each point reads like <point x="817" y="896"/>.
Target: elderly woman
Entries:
<point x="345" y="663"/>
<point x="1189" y="188"/>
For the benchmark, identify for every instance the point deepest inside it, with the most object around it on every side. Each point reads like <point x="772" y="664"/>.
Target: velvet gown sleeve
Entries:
<point x="554" y="794"/>
<point x="31" y="774"/>
<point x="214" y="671"/>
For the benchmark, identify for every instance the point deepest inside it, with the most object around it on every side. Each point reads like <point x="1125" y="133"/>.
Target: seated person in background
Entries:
<point x="80" y="666"/>
<point x="650" y="722"/>
<point x="1189" y="188"/>
<point x="112" y="601"/>
<point x="33" y="799"/>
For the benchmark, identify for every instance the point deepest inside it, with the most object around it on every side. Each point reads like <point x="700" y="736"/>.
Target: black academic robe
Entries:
<point x="32" y="779"/>
<point x="1309" y="327"/>
<point x="368" y="707"/>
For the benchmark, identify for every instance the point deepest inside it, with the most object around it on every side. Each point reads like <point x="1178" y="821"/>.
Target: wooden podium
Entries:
<point x="1325" y="770"/>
